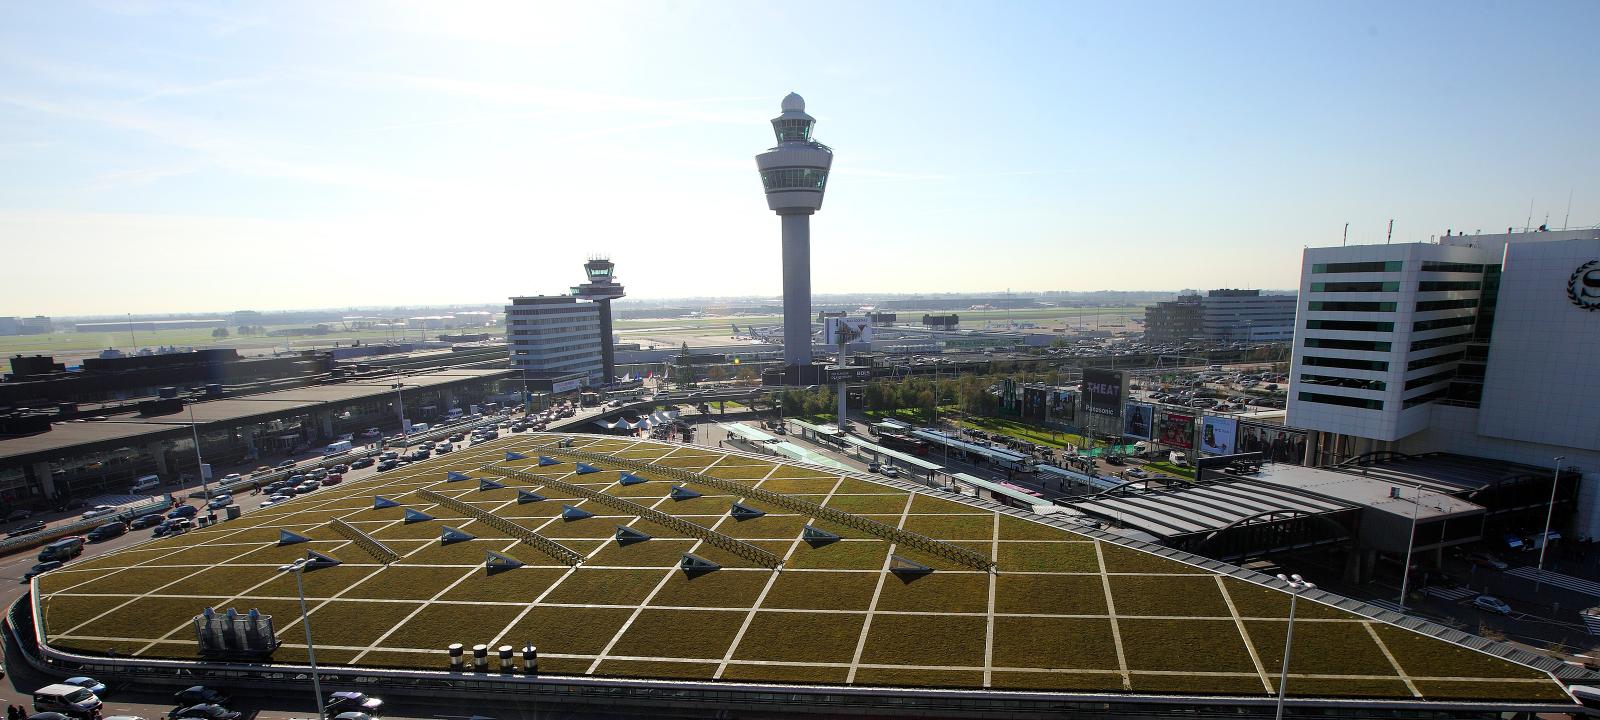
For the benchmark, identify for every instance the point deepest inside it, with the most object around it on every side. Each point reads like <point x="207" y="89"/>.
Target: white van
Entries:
<point x="146" y="484"/>
<point x="343" y="446"/>
<point x="65" y="699"/>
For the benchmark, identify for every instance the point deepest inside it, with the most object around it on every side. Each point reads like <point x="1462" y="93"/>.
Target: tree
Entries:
<point x="219" y="333"/>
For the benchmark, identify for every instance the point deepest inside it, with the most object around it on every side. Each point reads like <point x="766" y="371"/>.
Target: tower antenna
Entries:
<point x="1568" y="216"/>
<point x="1389" y="239"/>
<point x="1346" y="240"/>
<point x="1529" y="224"/>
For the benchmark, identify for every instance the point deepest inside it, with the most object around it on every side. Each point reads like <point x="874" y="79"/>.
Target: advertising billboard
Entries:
<point x="1063" y="406"/>
<point x="1035" y="400"/>
<point x="1217" y="434"/>
<point x="1138" y="420"/>
<point x="1103" y="391"/>
<point x="1175" y="430"/>
<point x="1276" y="443"/>
<point x="857" y="329"/>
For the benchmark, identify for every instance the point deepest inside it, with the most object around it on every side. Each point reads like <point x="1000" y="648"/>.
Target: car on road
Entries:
<point x="891" y="471"/>
<point x="347" y="702"/>
<point x="21" y="530"/>
<point x="286" y="464"/>
<point x="388" y="465"/>
<point x="333" y="479"/>
<point x="107" y="531"/>
<point x="359" y="463"/>
<point x="144" y="521"/>
<point x="1488" y="561"/>
<point x="207" y="711"/>
<point x="306" y="487"/>
<point x="372" y="433"/>
<point x="200" y="695"/>
<point x="220" y="502"/>
<point x="87" y="683"/>
<point x="873" y="467"/>
<point x="1492" y="604"/>
<point x="64" y="549"/>
<point x="173" y="526"/>
<point x="183" y="511"/>
<point x="99" y="511"/>
<point x="317" y="474"/>
<point x="1136" y="473"/>
<point x="339" y="469"/>
<point x="231" y="477"/>
<point x="18" y="514"/>
<point x="41" y="569"/>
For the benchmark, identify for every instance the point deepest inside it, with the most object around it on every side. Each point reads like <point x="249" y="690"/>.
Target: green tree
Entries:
<point x="219" y="333"/>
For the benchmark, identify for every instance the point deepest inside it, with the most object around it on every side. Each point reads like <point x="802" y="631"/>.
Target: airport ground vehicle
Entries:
<point x="64" y="549"/>
<point x="343" y="446"/>
<point x="66" y="699"/>
<point x="145" y="484"/>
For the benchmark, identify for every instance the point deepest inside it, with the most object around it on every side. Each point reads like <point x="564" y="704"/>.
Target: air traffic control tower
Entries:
<point x="794" y="175"/>
<point x="602" y="288"/>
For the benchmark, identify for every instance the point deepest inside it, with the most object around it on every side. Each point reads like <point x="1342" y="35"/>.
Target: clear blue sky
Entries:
<point x="188" y="156"/>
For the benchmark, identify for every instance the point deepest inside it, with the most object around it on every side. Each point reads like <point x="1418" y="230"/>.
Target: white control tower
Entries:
<point x="795" y="174"/>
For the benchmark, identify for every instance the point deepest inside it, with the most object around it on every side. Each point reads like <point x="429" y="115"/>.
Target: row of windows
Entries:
<point x="1441" y="285"/>
<point x="1440" y="341"/>
<point x="792" y="129"/>
<point x="1355" y="287"/>
<point x="1429" y="380"/>
<point x="1360" y="325"/>
<point x="1435" y="266"/>
<point x="1427" y="305"/>
<point x="1362" y="403"/>
<point x="1449" y="322"/>
<point x="1346" y="363"/>
<point x="1350" y="306"/>
<point x="1356" y="267"/>
<point x="1336" y="344"/>
<point x="795" y="179"/>
<point x="1345" y="382"/>
<point x="1426" y="397"/>
<point x="1435" y="360"/>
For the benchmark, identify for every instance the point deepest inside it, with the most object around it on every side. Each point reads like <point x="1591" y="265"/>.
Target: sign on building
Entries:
<point x="1217" y="435"/>
<point x="1104" y="391"/>
<point x="1138" y="420"/>
<point x="1276" y="443"/>
<point x="856" y="329"/>
<point x="1175" y="430"/>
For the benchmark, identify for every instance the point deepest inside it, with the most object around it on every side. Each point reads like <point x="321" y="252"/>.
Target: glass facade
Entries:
<point x="1357" y="267"/>
<point x="1350" y="306"/>
<point x="1356" y="287"/>
<point x="792" y="129"/>
<point x="782" y="179"/>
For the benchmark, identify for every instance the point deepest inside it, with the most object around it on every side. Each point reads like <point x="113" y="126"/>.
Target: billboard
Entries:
<point x="857" y="329"/>
<point x="1217" y="434"/>
<point x="1063" y="406"/>
<point x="1138" y="420"/>
<point x="1175" y="430"/>
<point x="1276" y="443"/>
<point x="1035" y="400"/>
<point x="1103" y="391"/>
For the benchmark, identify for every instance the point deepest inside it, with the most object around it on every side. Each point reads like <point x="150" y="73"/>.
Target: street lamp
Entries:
<point x="298" y="567"/>
<point x="400" y="407"/>
<point x="1297" y="585"/>
<point x="1411" y="539"/>
<point x="200" y="463"/>
<point x="1544" y="540"/>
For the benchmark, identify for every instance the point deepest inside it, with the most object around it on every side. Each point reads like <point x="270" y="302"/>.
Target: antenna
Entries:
<point x="1387" y="240"/>
<point x="1529" y="224"/>
<point x="1568" y="216"/>
<point x="1346" y="240"/>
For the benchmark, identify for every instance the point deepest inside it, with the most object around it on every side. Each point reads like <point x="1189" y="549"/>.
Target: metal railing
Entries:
<point x="954" y="553"/>
<point x="676" y="524"/>
<point x="46" y="535"/>
<point x="564" y="554"/>
<point x="366" y="542"/>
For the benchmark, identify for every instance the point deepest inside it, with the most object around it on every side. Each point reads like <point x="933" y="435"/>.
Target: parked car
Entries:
<point x="286" y="464"/>
<point x="99" y="511"/>
<point x="333" y="479"/>
<point x="144" y="521"/>
<point x="87" y="683"/>
<point x="64" y="549"/>
<point x="339" y="469"/>
<point x="317" y="474"/>
<point x="361" y="463"/>
<point x="208" y="711"/>
<point x="891" y="471"/>
<point x="41" y="569"/>
<point x="21" y="530"/>
<point x="231" y="477"/>
<point x="18" y="514"/>
<point x="1488" y="561"/>
<point x="1492" y="604"/>
<point x="873" y="467"/>
<point x="200" y="695"/>
<point x="183" y="511"/>
<point x="344" y="702"/>
<point x="107" y="531"/>
<point x="388" y="465"/>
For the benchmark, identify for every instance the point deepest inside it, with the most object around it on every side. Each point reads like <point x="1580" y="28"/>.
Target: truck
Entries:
<point x="343" y="446"/>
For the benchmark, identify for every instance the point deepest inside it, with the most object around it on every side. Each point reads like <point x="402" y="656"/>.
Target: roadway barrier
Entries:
<point x="31" y="540"/>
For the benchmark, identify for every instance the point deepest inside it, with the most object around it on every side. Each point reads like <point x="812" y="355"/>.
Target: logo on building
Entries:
<point x="1583" y="288"/>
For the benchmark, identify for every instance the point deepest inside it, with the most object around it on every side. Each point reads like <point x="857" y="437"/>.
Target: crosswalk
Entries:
<point x="1449" y="594"/>
<point x="1555" y="579"/>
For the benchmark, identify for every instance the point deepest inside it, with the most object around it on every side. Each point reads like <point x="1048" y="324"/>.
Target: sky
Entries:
<point x="210" y="156"/>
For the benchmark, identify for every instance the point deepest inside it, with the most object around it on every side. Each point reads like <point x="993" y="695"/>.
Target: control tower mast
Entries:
<point x="602" y="288"/>
<point x="795" y="175"/>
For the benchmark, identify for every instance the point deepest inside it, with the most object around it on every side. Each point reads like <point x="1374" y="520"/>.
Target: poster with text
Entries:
<point x="1103" y="391"/>
<point x="1276" y="443"/>
<point x="1175" y="430"/>
<point x="1217" y="433"/>
<point x="1138" y="420"/>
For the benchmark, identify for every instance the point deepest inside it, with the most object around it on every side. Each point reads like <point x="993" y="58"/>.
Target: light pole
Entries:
<point x="200" y="463"/>
<point x="400" y="407"/>
<point x="1297" y="585"/>
<point x="1411" y="539"/>
<point x="298" y="567"/>
<point x="1544" y="540"/>
<point x="527" y="400"/>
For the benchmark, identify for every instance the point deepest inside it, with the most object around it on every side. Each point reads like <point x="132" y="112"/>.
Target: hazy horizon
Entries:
<point x="175" y="157"/>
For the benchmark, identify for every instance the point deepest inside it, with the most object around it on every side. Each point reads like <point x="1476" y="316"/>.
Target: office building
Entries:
<point x="1477" y="345"/>
<point x="1247" y="316"/>
<point x="795" y="175"/>
<point x="1177" y="320"/>
<point x="555" y="339"/>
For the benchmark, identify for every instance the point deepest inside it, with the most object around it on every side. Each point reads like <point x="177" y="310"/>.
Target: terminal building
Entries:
<point x="555" y="342"/>
<point x="1222" y="316"/>
<point x="1475" y="345"/>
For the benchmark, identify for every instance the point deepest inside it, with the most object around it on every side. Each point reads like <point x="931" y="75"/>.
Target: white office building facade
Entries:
<point x="555" y="335"/>
<point x="1478" y="345"/>
<point x="1247" y="316"/>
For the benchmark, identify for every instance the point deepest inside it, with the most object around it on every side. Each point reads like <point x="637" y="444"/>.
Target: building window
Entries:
<point x="1355" y="287"/>
<point x="1350" y="306"/>
<point x="1426" y="397"/>
<point x="1343" y="382"/>
<point x="1433" y="266"/>
<point x="1451" y="322"/>
<point x="1435" y="360"/>
<point x="1346" y="363"/>
<point x="1430" y="305"/>
<point x="1443" y="285"/>
<point x="1357" y="325"/>
<point x="1341" y="400"/>
<point x="795" y="179"/>
<point x="1333" y="344"/>
<point x="1440" y="341"/>
<point x="1357" y="267"/>
<point x="1429" y="380"/>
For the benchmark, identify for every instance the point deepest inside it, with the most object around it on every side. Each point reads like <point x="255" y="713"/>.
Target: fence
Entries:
<point x="41" y="537"/>
<point x="560" y="552"/>
<point x="715" y="539"/>
<point x="366" y="542"/>
<point x="954" y="553"/>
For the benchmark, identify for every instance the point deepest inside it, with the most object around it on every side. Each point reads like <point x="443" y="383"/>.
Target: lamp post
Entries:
<point x="1411" y="539"/>
<point x="1544" y="540"/>
<point x="298" y="567"/>
<point x="527" y="400"/>
<point x="200" y="463"/>
<point x="1297" y="585"/>
<point x="400" y="407"/>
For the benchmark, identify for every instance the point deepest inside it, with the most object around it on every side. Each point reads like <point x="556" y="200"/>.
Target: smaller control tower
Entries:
<point x="602" y="288"/>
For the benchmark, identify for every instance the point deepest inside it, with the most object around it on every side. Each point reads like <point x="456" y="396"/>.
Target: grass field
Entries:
<point x="69" y="346"/>
<point x="1062" y="611"/>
